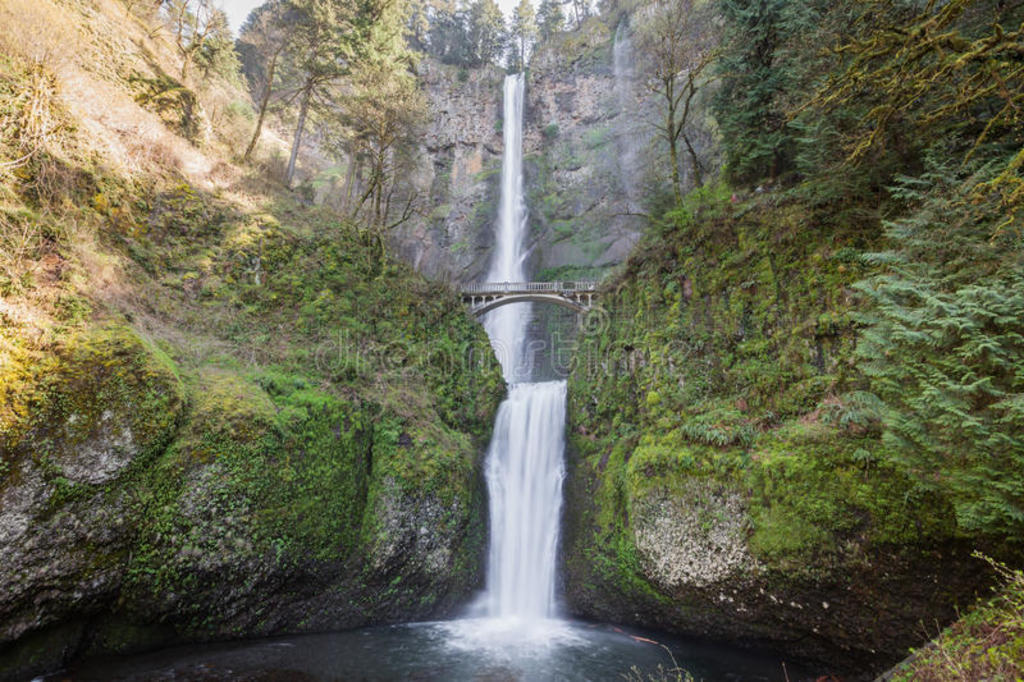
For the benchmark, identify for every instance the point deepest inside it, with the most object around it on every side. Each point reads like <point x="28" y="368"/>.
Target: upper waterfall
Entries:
<point x="507" y="326"/>
<point x="626" y="133"/>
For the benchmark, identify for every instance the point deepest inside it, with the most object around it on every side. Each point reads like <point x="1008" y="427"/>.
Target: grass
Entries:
<point x="675" y="673"/>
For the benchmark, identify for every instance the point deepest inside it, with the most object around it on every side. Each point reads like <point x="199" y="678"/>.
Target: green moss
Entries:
<point x="285" y="472"/>
<point x="100" y="381"/>
<point x="595" y="138"/>
<point x="814" y="490"/>
<point x="571" y="272"/>
<point x="727" y="332"/>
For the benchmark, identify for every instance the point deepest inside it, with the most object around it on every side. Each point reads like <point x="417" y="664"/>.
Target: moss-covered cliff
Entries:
<point x="717" y="486"/>
<point x="222" y="412"/>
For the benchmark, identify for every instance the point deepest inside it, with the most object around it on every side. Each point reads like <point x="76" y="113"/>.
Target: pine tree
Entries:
<point x="550" y="18"/>
<point x="523" y="33"/>
<point x="447" y="34"/>
<point x="486" y="33"/>
<point x="755" y="75"/>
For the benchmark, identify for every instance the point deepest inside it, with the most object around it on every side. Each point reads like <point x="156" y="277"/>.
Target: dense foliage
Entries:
<point x="914" y="110"/>
<point x="829" y="333"/>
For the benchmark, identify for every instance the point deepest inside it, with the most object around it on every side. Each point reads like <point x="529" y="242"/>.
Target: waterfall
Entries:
<point x="506" y="326"/>
<point x="622" y="68"/>
<point x="525" y="464"/>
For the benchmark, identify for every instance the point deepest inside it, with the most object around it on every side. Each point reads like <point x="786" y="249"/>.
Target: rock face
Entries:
<point x="135" y="512"/>
<point x="585" y="144"/>
<point x="64" y="508"/>
<point x="697" y="537"/>
<point x="583" y="184"/>
<point x="678" y="557"/>
<point x="460" y="171"/>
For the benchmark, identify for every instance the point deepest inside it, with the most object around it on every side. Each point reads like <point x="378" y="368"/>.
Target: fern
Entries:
<point x="943" y="348"/>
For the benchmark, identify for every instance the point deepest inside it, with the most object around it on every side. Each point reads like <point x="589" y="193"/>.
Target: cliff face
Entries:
<point x="459" y="174"/>
<point x="585" y="144"/>
<point x="585" y="148"/>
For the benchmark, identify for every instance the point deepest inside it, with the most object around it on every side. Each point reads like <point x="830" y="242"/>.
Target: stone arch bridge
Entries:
<point x="484" y="297"/>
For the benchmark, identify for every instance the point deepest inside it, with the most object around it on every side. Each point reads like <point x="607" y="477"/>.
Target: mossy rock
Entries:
<point x="104" y="399"/>
<point x="103" y="404"/>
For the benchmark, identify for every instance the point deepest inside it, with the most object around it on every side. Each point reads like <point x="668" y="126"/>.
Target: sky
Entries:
<point x="238" y="10"/>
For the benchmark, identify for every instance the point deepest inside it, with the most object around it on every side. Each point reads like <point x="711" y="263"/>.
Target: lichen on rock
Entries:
<point x="695" y="537"/>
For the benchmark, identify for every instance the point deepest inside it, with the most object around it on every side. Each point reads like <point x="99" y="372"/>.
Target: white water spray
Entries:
<point x="525" y="461"/>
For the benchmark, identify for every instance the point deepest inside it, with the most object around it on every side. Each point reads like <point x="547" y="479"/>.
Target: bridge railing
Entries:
<point x="478" y="288"/>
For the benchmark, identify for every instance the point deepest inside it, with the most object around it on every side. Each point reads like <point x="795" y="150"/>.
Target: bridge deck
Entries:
<point x="513" y="288"/>
<point x="486" y="296"/>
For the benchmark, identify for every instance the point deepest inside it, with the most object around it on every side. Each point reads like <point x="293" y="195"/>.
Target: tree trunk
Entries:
<point x="264" y="101"/>
<point x="698" y="177"/>
<point x="350" y="176"/>
<point x="379" y="191"/>
<point x="303" y="109"/>
<point x="673" y="155"/>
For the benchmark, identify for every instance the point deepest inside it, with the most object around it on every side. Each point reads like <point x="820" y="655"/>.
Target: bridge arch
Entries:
<point x="484" y="297"/>
<point x="487" y="307"/>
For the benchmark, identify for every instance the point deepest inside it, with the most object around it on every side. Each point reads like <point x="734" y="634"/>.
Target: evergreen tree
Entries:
<point x="550" y="18"/>
<point x="580" y="10"/>
<point x="381" y="114"/>
<point x="755" y="76"/>
<point x="448" y="33"/>
<point x="486" y="33"/>
<point x="523" y="34"/>
<point x="320" y="51"/>
<point x="417" y="25"/>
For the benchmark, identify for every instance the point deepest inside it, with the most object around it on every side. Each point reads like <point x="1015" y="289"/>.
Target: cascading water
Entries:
<point x="622" y="68"/>
<point x="525" y="460"/>
<point x="506" y="326"/>
<point x="524" y="478"/>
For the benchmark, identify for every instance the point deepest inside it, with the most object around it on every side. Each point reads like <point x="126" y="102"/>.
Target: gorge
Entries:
<point x="243" y="411"/>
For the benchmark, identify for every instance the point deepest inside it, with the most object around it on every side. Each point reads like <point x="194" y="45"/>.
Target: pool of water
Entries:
<point x="473" y="649"/>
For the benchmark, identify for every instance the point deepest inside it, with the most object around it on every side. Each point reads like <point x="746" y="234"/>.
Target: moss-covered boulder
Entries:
<point x="283" y="508"/>
<point x="83" y="422"/>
